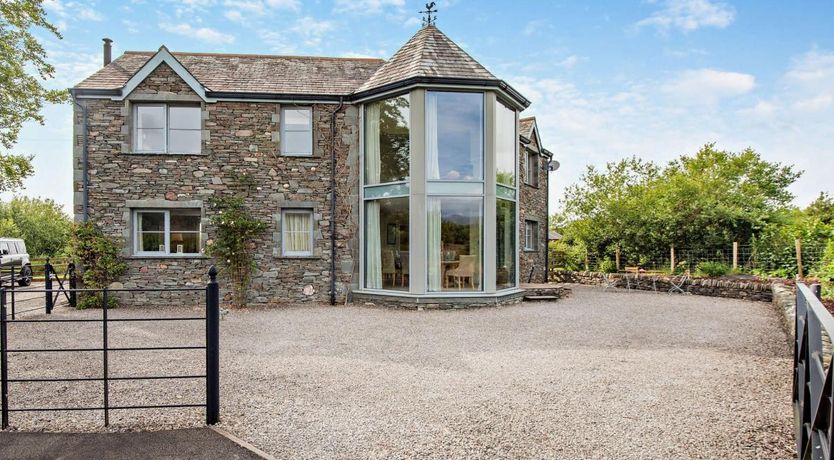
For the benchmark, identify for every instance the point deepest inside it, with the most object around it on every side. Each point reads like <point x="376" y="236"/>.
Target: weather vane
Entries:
<point x="430" y="17"/>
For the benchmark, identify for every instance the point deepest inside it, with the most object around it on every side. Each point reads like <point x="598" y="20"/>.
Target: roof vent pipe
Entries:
<point x="108" y="50"/>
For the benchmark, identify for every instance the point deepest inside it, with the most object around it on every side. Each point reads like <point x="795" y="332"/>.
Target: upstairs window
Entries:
<point x="533" y="168"/>
<point x="162" y="128"/>
<point x="297" y="131"/>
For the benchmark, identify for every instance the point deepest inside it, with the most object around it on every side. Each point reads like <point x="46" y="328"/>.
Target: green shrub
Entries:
<point x="708" y="268"/>
<point x="825" y="272"/>
<point x="606" y="266"/>
<point x="566" y="256"/>
<point x="101" y="263"/>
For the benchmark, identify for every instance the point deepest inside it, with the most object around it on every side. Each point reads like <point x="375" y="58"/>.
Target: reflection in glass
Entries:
<point x="387" y="141"/>
<point x="386" y="244"/>
<point x="505" y="142"/>
<point x="151" y="231"/>
<point x="454" y="136"/>
<point x="505" y="244"/>
<point x="185" y="231"/>
<point x="454" y="243"/>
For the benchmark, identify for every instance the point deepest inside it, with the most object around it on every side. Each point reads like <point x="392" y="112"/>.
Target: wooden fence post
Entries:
<point x="799" y="258"/>
<point x="617" y="257"/>
<point x="735" y="255"/>
<point x="672" y="264"/>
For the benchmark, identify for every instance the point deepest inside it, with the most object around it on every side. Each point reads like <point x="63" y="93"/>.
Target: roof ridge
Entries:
<point x="259" y="56"/>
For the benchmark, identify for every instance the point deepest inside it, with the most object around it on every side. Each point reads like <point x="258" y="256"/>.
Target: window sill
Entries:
<point x="166" y="153"/>
<point x="530" y="250"/>
<point x="532" y="186"/>
<point x="167" y="256"/>
<point x="299" y="257"/>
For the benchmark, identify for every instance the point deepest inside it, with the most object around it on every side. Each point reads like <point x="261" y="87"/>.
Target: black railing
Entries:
<point x="812" y="380"/>
<point x="211" y="347"/>
<point x="55" y="286"/>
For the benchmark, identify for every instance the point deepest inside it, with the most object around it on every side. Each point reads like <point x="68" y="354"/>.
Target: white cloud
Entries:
<point x="277" y="41"/>
<point x="533" y="26"/>
<point x="234" y="16"/>
<point x="689" y="15"/>
<point x="569" y="62"/>
<point x="205" y="34"/>
<point x="311" y="31"/>
<point x="284" y="4"/>
<point x="708" y="85"/>
<point x="131" y="26"/>
<point x="72" y="11"/>
<point x="89" y="14"/>
<point x="790" y="121"/>
<point x="365" y="6"/>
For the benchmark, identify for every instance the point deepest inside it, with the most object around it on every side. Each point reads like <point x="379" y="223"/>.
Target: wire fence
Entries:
<point x="739" y="259"/>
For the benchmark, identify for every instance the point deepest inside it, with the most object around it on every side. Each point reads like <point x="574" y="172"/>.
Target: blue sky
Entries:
<point x="651" y="78"/>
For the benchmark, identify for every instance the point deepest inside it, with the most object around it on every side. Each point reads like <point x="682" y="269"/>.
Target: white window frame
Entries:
<point x="166" y="234"/>
<point x="284" y="131"/>
<point x="531" y="235"/>
<point x="165" y="130"/>
<point x="309" y="214"/>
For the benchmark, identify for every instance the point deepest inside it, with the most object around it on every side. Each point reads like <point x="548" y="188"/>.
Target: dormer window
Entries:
<point x="163" y="128"/>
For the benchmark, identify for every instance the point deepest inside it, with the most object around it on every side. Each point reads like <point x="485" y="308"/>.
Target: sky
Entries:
<point x="608" y="80"/>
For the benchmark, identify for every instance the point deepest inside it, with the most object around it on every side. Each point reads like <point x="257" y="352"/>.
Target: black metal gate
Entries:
<point x="56" y="286"/>
<point x="211" y="347"/>
<point x="812" y="385"/>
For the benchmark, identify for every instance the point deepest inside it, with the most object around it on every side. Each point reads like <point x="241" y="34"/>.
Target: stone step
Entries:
<point x="541" y="298"/>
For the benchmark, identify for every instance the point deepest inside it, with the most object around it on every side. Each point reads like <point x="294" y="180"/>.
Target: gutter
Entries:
<point x="85" y="195"/>
<point x="333" y="202"/>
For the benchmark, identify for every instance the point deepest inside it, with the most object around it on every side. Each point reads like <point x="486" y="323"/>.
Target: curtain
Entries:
<point x="432" y="154"/>
<point x="433" y="218"/>
<point x="373" y="234"/>
<point x="298" y="228"/>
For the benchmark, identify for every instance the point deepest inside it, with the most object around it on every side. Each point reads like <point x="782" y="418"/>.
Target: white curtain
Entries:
<point x="432" y="154"/>
<point x="373" y="235"/>
<point x="298" y="228"/>
<point x="433" y="218"/>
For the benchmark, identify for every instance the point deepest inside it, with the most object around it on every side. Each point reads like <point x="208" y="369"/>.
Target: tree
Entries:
<point x="42" y="224"/>
<point x="22" y="94"/>
<point x="702" y="202"/>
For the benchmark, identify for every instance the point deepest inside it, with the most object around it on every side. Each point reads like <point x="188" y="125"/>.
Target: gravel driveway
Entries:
<point x="598" y="375"/>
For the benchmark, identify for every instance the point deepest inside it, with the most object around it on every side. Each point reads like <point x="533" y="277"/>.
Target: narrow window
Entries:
<point x="297" y="131"/>
<point x="531" y="230"/>
<point x="160" y="128"/>
<point x="533" y="168"/>
<point x="297" y="233"/>
<point x="166" y="232"/>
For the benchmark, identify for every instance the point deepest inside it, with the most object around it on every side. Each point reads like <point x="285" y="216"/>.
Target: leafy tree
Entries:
<point x="41" y="223"/>
<point x="704" y="201"/>
<point x="23" y="68"/>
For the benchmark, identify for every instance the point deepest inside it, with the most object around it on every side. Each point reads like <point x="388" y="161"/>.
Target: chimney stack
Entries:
<point x="108" y="50"/>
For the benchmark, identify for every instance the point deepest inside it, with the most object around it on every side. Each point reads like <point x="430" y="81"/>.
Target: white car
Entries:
<point x="13" y="254"/>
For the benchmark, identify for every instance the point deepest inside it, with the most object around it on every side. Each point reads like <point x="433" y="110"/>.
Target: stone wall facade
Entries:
<point x="731" y="289"/>
<point x="239" y="139"/>
<point x="533" y="207"/>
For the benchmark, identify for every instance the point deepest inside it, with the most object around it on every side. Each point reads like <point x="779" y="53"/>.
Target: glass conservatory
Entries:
<point x="439" y="194"/>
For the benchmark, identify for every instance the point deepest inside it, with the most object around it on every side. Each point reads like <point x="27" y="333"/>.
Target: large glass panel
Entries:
<point x="151" y="231"/>
<point x="184" y="141"/>
<point x="184" y="117"/>
<point x="150" y="128"/>
<point x="454" y="136"/>
<point x="455" y="188"/>
<point x="386" y="244"/>
<point x="454" y="231"/>
<point x="387" y="140"/>
<point x="505" y="142"/>
<point x="505" y="227"/>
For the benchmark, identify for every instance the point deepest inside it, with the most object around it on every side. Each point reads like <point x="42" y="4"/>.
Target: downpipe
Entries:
<point x="333" y="201"/>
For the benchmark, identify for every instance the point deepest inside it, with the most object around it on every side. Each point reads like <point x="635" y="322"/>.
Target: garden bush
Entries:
<point x="710" y="268"/>
<point x="606" y="266"/>
<point x="101" y="263"/>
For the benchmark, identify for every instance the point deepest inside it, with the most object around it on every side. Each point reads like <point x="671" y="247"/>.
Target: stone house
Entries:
<point x="410" y="180"/>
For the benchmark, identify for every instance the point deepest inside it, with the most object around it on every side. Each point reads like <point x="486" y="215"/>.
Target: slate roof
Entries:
<point x="426" y="56"/>
<point x="429" y="53"/>
<point x="249" y="73"/>
<point x="526" y="126"/>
